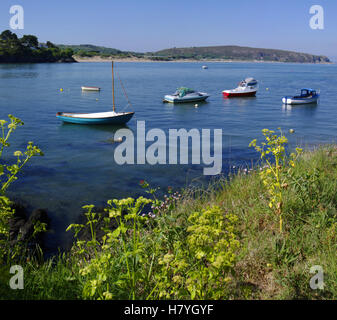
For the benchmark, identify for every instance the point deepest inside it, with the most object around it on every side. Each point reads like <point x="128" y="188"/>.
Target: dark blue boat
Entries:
<point x="109" y="117"/>
<point x="307" y="96"/>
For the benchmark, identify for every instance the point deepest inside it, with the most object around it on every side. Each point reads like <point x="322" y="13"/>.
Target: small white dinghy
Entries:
<point x="185" y="95"/>
<point x="307" y="96"/>
<point x="86" y="88"/>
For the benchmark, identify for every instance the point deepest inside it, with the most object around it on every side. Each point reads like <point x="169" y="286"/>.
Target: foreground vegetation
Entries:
<point x="255" y="235"/>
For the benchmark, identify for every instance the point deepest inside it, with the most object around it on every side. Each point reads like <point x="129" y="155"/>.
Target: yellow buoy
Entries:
<point x="61" y="89"/>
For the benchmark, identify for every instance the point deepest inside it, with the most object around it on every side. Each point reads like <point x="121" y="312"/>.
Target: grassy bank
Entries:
<point x="222" y="242"/>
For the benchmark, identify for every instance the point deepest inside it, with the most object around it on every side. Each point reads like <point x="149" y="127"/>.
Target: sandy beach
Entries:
<point x="100" y="59"/>
<point x="134" y="59"/>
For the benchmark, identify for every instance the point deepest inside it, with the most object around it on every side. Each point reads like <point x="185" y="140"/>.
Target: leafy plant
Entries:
<point x="127" y="236"/>
<point x="199" y="268"/>
<point x="8" y="174"/>
<point x="274" y="174"/>
<point x="161" y="206"/>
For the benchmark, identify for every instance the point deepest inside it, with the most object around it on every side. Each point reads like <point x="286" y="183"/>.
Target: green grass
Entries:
<point x="56" y="278"/>
<point x="268" y="264"/>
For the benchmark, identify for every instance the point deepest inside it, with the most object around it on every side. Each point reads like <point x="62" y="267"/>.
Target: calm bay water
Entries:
<point x="78" y="167"/>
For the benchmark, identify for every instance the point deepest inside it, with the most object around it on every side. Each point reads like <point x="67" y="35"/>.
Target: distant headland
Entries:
<point x="28" y="49"/>
<point x="93" y="53"/>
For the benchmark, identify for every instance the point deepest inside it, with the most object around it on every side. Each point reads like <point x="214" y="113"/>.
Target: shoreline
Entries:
<point x="256" y="227"/>
<point x="100" y="59"/>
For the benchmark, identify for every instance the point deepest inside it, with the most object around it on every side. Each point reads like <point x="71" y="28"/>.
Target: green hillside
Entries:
<point x="88" y="50"/>
<point x="201" y="53"/>
<point x="239" y="53"/>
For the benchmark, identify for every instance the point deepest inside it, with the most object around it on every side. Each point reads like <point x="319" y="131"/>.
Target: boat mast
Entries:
<point x="113" y="89"/>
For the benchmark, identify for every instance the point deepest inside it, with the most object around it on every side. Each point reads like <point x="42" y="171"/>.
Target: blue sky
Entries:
<point x="148" y="25"/>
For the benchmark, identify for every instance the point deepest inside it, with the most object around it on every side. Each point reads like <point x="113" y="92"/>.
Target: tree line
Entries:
<point x="28" y="49"/>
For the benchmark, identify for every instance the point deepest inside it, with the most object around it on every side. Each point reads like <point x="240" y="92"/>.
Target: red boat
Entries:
<point x="246" y="88"/>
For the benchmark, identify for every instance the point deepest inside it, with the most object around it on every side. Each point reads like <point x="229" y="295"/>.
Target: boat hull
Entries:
<point x="90" y="88"/>
<point x="117" y="119"/>
<point x="229" y="94"/>
<point x="175" y="99"/>
<point x="246" y="88"/>
<point x="292" y="100"/>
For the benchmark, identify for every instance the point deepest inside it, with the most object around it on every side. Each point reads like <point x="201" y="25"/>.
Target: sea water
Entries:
<point x="78" y="167"/>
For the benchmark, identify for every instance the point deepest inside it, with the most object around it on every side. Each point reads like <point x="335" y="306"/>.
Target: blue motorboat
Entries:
<point x="306" y="96"/>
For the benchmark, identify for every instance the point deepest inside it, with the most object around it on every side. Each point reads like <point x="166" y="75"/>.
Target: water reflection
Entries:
<point x="187" y="105"/>
<point x="308" y="109"/>
<point x="73" y="127"/>
<point x="18" y="75"/>
<point x="89" y="93"/>
<point x="18" y="71"/>
<point x="237" y="101"/>
<point x="18" y="66"/>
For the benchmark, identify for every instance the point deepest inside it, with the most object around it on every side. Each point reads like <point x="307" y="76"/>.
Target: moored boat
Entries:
<point x="109" y="117"/>
<point x="186" y="95"/>
<point x="246" y="88"/>
<point x="86" y="88"/>
<point x="306" y="96"/>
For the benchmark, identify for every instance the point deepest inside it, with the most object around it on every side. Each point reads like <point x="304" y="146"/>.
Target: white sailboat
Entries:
<point x="108" y="117"/>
